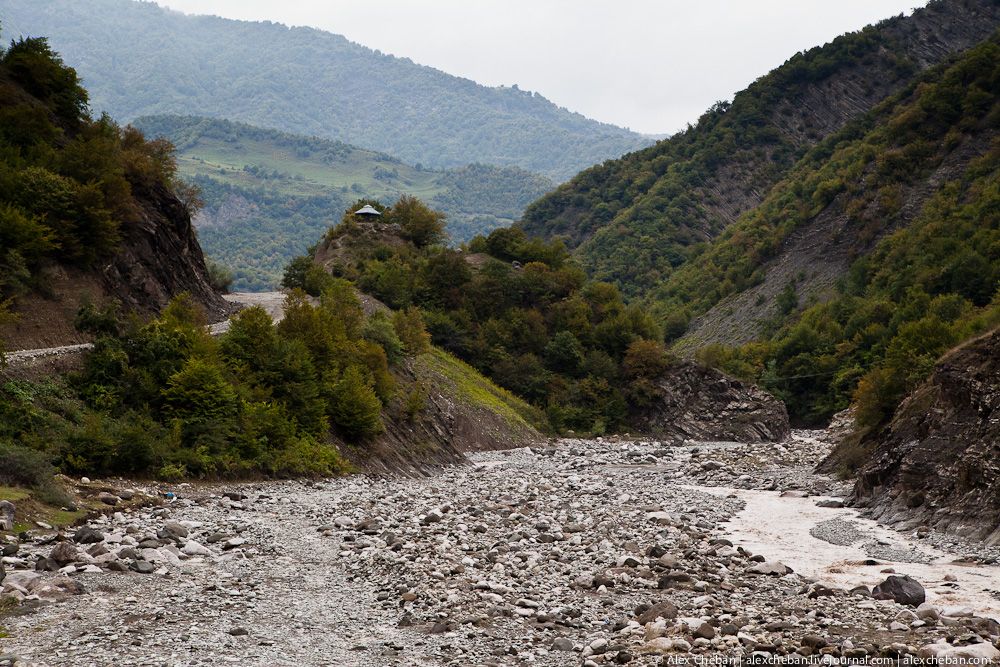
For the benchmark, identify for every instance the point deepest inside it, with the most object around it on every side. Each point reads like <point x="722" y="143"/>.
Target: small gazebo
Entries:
<point x="367" y="213"/>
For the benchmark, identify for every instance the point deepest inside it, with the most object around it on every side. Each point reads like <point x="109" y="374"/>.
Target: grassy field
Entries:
<point x="305" y="176"/>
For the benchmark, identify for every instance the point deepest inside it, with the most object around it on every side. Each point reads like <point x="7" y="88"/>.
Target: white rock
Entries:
<point x="192" y="548"/>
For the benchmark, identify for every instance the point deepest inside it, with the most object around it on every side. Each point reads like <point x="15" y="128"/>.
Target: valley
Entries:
<point x="352" y="365"/>
<point x="269" y="195"/>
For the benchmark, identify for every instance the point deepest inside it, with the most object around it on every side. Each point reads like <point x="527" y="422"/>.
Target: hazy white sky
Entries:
<point x="649" y="65"/>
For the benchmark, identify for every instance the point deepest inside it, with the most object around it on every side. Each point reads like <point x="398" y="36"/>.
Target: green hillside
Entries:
<point x="634" y="220"/>
<point x="914" y="194"/>
<point x="268" y="194"/>
<point x="139" y="59"/>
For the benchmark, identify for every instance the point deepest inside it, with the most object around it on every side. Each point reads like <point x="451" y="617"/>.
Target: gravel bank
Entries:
<point x="582" y="553"/>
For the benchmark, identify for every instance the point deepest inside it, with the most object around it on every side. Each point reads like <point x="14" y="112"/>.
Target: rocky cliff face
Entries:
<point x="700" y="403"/>
<point x="938" y="461"/>
<point x="158" y="258"/>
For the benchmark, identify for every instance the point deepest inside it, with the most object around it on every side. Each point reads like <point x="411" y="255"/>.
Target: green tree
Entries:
<point x="353" y="405"/>
<point x="420" y="224"/>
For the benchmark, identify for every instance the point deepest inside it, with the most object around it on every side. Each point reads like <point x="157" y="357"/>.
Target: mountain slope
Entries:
<point x="269" y="195"/>
<point x="87" y="210"/>
<point x="879" y="252"/>
<point x="634" y="220"/>
<point x="138" y="59"/>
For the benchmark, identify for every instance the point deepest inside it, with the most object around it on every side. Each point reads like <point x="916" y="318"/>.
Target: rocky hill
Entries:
<point x="936" y="464"/>
<point x="88" y="210"/>
<point x="140" y="59"/>
<point x="634" y="220"/>
<point x="693" y="402"/>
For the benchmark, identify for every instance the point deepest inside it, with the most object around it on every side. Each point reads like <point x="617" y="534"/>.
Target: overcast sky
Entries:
<point x="650" y="65"/>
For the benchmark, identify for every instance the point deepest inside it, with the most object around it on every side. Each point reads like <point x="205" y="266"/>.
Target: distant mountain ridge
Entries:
<point x="269" y="195"/>
<point x="137" y="59"/>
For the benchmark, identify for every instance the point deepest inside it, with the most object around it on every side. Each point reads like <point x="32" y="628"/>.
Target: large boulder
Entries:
<point x="901" y="589"/>
<point x="695" y="402"/>
<point x="6" y="515"/>
<point x="64" y="552"/>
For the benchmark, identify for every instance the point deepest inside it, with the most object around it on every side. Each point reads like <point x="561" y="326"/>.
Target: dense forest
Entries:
<point x="519" y="310"/>
<point x="268" y="195"/>
<point x="139" y="59"/>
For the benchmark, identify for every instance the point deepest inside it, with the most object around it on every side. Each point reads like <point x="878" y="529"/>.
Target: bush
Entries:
<point x="20" y="466"/>
<point x="409" y="326"/>
<point x="876" y="397"/>
<point x="379" y="330"/>
<point x="420" y="224"/>
<point x="219" y="276"/>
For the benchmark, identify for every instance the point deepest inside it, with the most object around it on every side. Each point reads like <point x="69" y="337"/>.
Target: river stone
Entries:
<point x="192" y="548"/>
<point x="562" y="644"/>
<point x="142" y="567"/>
<point x="108" y="498"/>
<point x="63" y="553"/>
<point x="6" y="515"/>
<point x="973" y="654"/>
<point x="88" y="535"/>
<point x="770" y="567"/>
<point x="664" y="609"/>
<point x="175" y="529"/>
<point x="901" y="589"/>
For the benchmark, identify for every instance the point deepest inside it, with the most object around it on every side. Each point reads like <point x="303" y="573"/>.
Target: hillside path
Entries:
<point x="273" y="302"/>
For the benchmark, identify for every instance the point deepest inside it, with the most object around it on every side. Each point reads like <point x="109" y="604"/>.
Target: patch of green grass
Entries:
<point x="13" y="493"/>
<point x="478" y="391"/>
<point x="307" y="176"/>
<point x="64" y="518"/>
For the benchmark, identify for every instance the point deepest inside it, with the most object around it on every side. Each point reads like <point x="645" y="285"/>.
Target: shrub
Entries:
<point x="409" y="326"/>
<point x="379" y="330"/>
<point x="876" y="397"/>
<point x="20" y="466"/>
<point x="354" y="407"/>
<point x="420" y="224"/>
<point x="219" y="276"/>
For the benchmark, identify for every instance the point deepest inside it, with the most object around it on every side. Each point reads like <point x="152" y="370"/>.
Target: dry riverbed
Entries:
<point x="573" y="553"/>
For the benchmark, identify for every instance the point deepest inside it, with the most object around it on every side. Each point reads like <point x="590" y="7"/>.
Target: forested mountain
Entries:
<point x="139" y="59"/>
<point x="269" y="195"/>
<point x="833" y="230"/>
<point x="878" y="252"/>
<point x="634" y="220"/>
<point x="88" y="209"/>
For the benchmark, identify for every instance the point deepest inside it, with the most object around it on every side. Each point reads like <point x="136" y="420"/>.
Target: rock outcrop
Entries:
<point x="938" y="461"/>
<point x="158" y="258"/>
<point x="699" y="403"/>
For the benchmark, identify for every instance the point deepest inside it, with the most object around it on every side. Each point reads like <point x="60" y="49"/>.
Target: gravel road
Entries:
<point x="272" y="302"/>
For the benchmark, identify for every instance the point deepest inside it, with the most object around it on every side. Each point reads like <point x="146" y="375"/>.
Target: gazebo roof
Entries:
<point x="367" y="210"/>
